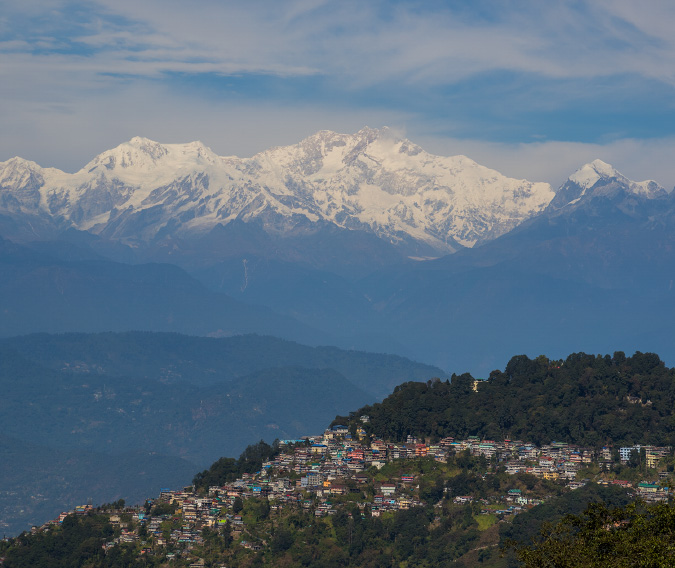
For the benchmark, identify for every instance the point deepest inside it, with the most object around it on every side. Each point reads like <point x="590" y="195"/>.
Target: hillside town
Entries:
<point x="319" y="474"/>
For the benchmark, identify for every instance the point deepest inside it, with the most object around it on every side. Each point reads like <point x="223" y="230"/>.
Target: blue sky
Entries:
<point x="533" y="89"/>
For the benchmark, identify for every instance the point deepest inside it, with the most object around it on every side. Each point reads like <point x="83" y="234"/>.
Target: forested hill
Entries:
<point x="585" y="399"/>
<point x="172" y="358"/>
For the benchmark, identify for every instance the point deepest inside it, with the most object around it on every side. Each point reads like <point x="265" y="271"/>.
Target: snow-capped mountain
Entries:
<point x="600" y="180"/>
<point x="372" y="181"/>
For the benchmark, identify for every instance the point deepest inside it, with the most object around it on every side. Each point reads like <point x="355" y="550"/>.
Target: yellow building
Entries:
<point x="652" y="460"/>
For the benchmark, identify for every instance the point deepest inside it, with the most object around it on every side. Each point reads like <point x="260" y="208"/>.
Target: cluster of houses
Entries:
<point x="314" y="472"/>
<point x="341" y="454"/>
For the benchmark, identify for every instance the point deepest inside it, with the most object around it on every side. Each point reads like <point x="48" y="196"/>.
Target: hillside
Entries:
<point x="202" y="361"/>
<point x="180" y="398"/>
<point x="43" y="292"/>
<point x="38" y="481"/>
<point x="383" y="488"/>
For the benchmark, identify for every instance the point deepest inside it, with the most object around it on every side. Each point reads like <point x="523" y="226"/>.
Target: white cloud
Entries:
<point x="353" y="40"/>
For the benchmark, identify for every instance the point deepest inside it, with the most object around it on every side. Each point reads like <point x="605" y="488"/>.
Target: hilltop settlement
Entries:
<point x="345" y="471"/>
<point x="422" y="479"/>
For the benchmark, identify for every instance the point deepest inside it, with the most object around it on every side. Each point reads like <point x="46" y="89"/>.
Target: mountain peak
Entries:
<point x="600" y="179"/>
<point x="137" y="152"/>
<point x="143" y="154"/>
<point x="17" y="171"/>
<point x="361" y="138"/>
<point x="18" y="162"/>
<point x="588" y="175"/>
<point x="369" y="132"/>
<point x="20" y="183"/>
<point x="604" y="167"/>
<point x="140" y="141"/>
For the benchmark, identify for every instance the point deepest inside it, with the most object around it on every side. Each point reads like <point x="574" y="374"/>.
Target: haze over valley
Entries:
<point x="363" y="241"/>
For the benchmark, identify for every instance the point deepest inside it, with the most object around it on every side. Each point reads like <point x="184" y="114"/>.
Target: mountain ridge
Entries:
<point x="371" y="181"/>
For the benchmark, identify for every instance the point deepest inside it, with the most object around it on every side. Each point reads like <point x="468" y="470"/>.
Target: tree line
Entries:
<point x="590" y="400"/>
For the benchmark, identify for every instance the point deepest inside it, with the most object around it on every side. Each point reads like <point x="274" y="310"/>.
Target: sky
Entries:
<point x="533" y="89"/>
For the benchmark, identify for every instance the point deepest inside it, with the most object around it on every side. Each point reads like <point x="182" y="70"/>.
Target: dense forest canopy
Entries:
<point x="634" y="535"/>
<point x="227" y="469"/>
<point x="590" y="400"/>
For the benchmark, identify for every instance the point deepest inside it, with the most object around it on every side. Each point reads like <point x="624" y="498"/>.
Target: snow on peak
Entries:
<point x="136" y="153"/>
<point x="599" y="179"/>
<point x="374" y="133"/>
<point x="374" y="180"/>
<point x="144" y="155"/>
<point x="19" y="163"/>
<point x="141" y="141"/>
<point x="16" y="172"/>
<point x="589" y="175"/>
<point x="603" y="168"/>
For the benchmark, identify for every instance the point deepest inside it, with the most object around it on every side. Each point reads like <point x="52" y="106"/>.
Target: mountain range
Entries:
<point x="174" y="196"/>
<point x="361" y="241"/>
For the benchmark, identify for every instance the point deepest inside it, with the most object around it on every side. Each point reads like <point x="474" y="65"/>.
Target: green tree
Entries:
<point x="635" y="535"/>
<point x="282" y="541"/>
<point x="237" y="505"/>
